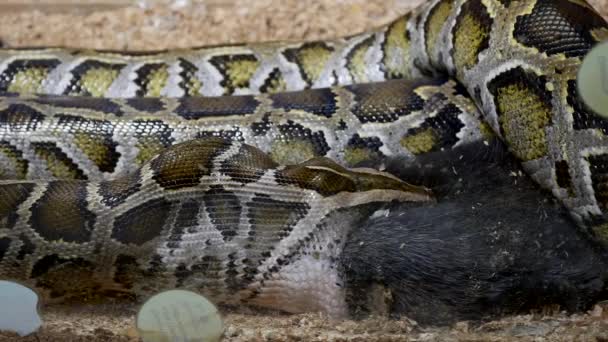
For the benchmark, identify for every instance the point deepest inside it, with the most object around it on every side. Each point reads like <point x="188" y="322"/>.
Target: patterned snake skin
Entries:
<point x="116" y="171"/>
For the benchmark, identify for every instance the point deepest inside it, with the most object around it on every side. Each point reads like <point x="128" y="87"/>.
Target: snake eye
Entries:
<point x="592" y="80"/>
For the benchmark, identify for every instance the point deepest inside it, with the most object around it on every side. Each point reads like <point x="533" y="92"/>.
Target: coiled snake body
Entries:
<point x="118" y="171"/>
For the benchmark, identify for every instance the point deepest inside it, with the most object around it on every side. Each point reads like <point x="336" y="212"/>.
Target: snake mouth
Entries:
<point x="419" y="190"/>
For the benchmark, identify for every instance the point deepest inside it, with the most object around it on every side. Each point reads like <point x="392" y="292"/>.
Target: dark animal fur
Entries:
<point x="493" y="244"/>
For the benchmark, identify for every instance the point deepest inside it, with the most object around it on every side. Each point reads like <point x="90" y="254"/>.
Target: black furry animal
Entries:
<point x="493" y="244"/>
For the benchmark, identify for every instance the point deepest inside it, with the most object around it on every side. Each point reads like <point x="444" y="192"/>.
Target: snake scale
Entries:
<point x="237" y="170"/>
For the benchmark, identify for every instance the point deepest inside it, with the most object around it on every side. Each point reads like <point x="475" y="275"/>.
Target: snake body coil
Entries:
<point x="119" y="173"/>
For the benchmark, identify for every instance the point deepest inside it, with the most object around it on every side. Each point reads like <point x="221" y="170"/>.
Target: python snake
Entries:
<point x="118" y="172"/>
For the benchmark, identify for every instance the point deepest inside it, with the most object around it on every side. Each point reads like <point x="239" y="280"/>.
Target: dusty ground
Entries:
<point x="149" y="27"/>
<point x="110" y="24"/>
<point x="115" y="323"/>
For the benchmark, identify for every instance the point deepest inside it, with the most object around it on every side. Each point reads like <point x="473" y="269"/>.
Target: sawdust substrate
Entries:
<point x="116" y="323"/>
<point x="160" y="25"/>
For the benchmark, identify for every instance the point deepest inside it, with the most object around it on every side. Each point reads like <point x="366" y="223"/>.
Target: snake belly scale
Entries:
<point x="116" y="170"/>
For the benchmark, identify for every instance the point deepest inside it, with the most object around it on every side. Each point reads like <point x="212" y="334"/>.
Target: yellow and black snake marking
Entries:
<point x="94" y="134"/>
<point x="516" y="59"/>
<point x="67" y="137"/>
<point x="223" y="208"/>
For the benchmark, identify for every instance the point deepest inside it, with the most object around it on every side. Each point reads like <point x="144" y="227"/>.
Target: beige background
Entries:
<point x="150" y="25"/>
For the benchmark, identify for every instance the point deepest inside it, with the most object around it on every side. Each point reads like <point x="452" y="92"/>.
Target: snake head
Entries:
<point x="329" y="178"/>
